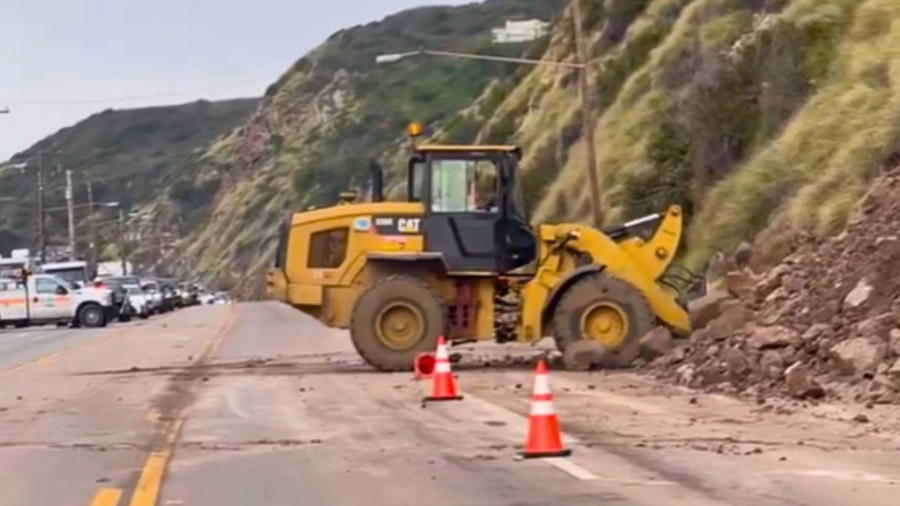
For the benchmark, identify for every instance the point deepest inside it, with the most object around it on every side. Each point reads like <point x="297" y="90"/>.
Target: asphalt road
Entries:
<point x="257" y="404"/>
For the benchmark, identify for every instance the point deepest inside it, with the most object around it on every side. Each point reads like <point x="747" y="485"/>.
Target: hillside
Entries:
<point x="745" y="112"/>
<point x="127" y="155"/>
<point x="322" y="120"/>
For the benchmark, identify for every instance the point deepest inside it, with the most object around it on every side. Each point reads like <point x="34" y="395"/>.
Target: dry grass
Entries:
<point x="619" y="136"/>
<point x="815" y="171"/>
<point x="809" y="169"/>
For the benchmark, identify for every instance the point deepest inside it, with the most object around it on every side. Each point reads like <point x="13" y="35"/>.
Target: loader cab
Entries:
<point x="474" y="211"/>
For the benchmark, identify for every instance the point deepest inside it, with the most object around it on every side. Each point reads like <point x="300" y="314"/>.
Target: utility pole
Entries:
<point x="122" y="252"/>
<point x="92" y="251"/>
<point x="70" y="207"/>
<point x="42" y="235"/>
<point x="588" y="102"/>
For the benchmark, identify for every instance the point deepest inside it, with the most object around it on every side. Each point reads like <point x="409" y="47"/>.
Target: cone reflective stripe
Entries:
<point x="443" y="386"/>
<point x="543" y="438"/>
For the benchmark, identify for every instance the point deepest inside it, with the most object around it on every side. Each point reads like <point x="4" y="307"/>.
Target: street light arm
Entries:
<point x="526" y="61"/>
<point x="392" y="57"/>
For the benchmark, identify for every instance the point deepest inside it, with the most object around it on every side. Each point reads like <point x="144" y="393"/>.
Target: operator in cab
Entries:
<point x="486" y="192"/>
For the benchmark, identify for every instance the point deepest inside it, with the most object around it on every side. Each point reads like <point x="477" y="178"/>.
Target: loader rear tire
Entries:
<point x="608" y="311"/>
<point x="395" y="320"/>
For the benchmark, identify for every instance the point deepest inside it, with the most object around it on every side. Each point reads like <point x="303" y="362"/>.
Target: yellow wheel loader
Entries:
<point x="455" y="262"/>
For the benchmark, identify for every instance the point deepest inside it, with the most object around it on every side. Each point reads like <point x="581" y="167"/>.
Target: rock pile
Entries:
<point x="823" y="323"/>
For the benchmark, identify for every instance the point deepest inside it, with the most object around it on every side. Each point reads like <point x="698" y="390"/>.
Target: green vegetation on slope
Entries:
<point x="128" y="155"/>
<point x="327" y="116"/>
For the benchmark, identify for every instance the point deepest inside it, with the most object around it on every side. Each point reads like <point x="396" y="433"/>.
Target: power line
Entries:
<point x="139" y="97"/>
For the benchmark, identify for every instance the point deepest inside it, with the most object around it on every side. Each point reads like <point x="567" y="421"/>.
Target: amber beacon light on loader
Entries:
<point x="458" y="259"/>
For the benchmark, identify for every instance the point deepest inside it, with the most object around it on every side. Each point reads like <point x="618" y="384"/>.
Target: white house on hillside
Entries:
<point x="520" y="31"/>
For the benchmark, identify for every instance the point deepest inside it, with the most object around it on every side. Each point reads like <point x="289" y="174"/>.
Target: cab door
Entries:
<point x="50" y="300"/>
<point x="463" y="210"/>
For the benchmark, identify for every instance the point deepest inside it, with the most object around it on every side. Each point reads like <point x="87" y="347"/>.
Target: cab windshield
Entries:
<point x="459" y="185"/>
<point x="61" y="281"/>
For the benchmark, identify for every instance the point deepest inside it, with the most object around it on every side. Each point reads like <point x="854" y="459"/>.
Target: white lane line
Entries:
<point x="572" y="469"/>
<point x="848" y="475"/>
<point x="493" y="412"/>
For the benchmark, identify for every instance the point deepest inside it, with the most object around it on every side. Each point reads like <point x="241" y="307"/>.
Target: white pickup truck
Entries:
<point x="46" y="299"/>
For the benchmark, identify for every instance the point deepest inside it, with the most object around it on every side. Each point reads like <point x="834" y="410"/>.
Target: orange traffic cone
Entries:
<point x="423" y="366"/>
<point x="544" y="438"/>
<point x="443" y="387"/>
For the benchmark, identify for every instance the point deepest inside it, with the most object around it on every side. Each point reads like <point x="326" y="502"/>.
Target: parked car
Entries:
<point x="161" y="294"/>
<point x="208" y="298"/>
<point x="124" y="309"/>
<point x="154" y="295"/>
<point x="139" y="300"/>
<point x="169" y="295"/>
<point x="189" y="294"/>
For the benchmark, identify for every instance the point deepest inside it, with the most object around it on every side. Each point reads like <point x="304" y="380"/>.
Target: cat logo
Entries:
<point x="408" y="225"/>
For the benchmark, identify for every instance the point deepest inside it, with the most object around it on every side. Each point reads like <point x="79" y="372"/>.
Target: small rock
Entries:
<point x="771" y="364"/>
<point x="800" y="383"/>
<point x="877" y="327"/>
<point x="743" y="254"/>
<point x="894" y="341"/>
<point x="861" y="418"/>
<point x="771" y="282"/>
<point x="859" y="295"/>
<point x="685" y="374"/>
<point x="794" y="282"/>
<point x="775" y="336"/>
<point x="779" y="294"/>
<point x="816" y="331"/>
<point x="894" y="371"/>
<point x="740" y="284"/>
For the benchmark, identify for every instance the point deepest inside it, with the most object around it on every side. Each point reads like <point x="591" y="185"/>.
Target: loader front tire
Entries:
<point x="396" y="319"/>
<point x="608" y="311"/>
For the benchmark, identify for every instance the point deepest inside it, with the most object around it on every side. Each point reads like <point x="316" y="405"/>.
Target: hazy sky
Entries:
<point x="96" y="51"/>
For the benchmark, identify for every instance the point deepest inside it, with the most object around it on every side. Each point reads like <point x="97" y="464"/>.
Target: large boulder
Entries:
<point x="656" y="343"/>
<point x="858" y="355"/>
<point x="706" y="309"/>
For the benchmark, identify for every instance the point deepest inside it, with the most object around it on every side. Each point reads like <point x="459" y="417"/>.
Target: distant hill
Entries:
<point x="128" y="155"/>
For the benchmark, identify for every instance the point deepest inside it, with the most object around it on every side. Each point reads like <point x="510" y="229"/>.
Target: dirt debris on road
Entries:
<point x="824" y="323"/>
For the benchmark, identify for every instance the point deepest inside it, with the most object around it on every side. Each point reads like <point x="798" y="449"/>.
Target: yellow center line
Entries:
<point x="107" y="497"/>
<point x="149" y="485"/>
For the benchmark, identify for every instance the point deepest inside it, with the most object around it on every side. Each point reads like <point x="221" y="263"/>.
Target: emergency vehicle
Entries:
<point x="39" y="299"/>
